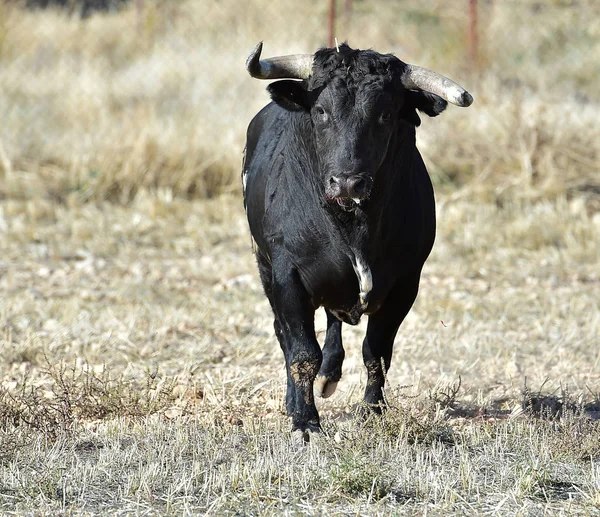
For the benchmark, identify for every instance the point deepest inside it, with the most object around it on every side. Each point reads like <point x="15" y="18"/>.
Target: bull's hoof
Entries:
<point x="304" y="436"/>
<point x="324" y="387"/>
<point x="300" y="437"/>
<point x="366" y="409"/>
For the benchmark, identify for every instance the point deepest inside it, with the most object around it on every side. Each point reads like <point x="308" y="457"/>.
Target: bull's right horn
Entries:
<point x="296" y="66"/>
<point x="418" y="78"/>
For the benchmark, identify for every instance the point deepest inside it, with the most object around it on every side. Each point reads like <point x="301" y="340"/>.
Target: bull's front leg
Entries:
<point x="379" y="341"/>
<point x="293" y="308"/>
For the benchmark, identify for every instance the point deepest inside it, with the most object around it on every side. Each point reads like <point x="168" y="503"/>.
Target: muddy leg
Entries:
<point x="293" y="309"/>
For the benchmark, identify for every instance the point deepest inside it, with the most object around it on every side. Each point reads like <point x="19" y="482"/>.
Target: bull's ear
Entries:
<point x="291" y="95"/>
<point x="428" y="103"/>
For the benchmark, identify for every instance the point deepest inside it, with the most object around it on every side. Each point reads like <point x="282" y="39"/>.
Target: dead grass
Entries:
<point x="96" y="298"/>
<point x="63" y="396"/>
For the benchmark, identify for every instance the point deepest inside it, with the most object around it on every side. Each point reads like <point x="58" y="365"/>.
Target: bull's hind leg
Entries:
<point x="290" y="394"/>
<point x="379" y="341"/>
<point x="333" y="357"/>
<point x="293" y="309"/>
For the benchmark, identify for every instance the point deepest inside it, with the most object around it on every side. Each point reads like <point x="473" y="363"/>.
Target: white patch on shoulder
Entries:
<point x="365" y="280"/>
<point x="244" y="172"/>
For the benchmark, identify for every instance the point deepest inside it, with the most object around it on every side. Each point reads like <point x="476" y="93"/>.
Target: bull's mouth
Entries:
<point x="345" y="203"/>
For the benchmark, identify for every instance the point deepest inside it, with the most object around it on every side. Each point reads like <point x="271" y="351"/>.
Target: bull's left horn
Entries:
<point x="296" y="66"/>
<point x="417" y="78"/>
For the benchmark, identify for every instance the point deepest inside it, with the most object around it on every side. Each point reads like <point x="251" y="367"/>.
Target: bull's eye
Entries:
<point x="321" y="113"/>
<point x="385" y="117"/>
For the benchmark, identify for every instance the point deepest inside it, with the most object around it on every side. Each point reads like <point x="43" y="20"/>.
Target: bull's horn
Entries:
<point x="297" y="66"/>
<point x="417" y="78"/>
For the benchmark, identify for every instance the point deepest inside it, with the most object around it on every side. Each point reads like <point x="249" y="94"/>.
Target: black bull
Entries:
<point x="341" y="207"/>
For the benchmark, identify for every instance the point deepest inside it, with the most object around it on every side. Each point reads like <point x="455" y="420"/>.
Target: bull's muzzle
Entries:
<point x="348" y="187"/>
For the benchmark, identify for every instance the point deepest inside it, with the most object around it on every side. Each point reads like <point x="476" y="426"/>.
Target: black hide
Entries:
<point x="351" y="123"/>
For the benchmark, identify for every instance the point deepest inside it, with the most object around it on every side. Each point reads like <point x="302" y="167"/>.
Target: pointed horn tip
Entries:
<point x="252" y="62"/>
<point x="466" y="99"/>
<point x="460" y="98"/>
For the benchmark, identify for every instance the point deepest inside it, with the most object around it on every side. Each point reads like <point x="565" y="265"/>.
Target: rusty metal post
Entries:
<point x="473" y="36"/>
<point x="139" y="9"/>
<point x="331" y="23"/>
<point x="347" y="11"/>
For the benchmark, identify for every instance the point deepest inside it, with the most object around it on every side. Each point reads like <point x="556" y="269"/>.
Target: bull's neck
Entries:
<point x="393" y="179"/>
<point x="393" y="185"/>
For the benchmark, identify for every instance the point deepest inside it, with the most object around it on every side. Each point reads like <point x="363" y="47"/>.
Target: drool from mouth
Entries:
<point x="347" y="204"/>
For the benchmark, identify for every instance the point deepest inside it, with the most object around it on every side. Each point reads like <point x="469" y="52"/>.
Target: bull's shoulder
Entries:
<point x="259" y="128"/>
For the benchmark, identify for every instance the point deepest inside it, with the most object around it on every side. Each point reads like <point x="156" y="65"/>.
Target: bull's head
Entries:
<point x="356" y="100"/>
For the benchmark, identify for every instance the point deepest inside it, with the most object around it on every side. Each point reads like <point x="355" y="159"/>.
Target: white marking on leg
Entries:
<point x="365" y="280"/>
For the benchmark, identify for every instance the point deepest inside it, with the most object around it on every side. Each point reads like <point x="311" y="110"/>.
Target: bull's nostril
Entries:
<point x="333" y="180"/>
<point x="359" y="186"/>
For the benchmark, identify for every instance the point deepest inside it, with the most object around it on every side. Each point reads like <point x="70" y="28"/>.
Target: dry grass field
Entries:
<point x="139" y="371"/>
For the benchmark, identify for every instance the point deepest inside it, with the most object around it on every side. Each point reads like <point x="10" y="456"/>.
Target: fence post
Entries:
<point x="139" y="10"/>
<point x="347" y="11"/>
<point x="331" y="23"/>
<point x="473" y="36"/>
